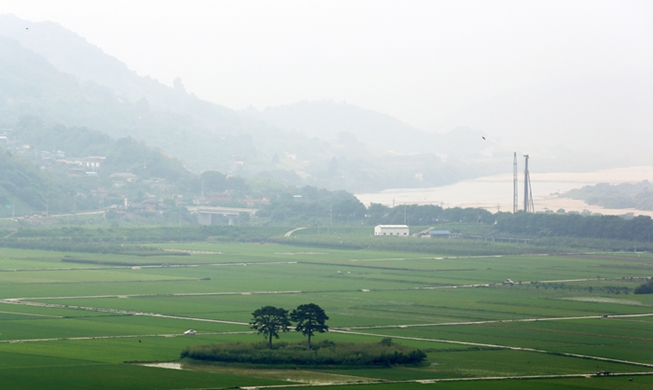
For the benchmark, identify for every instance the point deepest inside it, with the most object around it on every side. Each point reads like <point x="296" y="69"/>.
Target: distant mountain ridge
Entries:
<point x="70" y="53"/>
<point x="58" y="76"/>
<point x="329" y="119"/>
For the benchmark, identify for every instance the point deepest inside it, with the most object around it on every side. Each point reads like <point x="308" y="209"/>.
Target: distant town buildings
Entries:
<point x="125" y="177"/>
<point x="93" y="162"/>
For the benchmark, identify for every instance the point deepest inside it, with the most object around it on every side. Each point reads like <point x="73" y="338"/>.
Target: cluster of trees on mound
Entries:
<point x="384" y="353"/>
<point x="270" y="321"/>
<point x="309" y="319"/>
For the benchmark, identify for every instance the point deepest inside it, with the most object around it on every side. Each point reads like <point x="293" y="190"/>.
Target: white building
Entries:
<point x="391" y="230"/>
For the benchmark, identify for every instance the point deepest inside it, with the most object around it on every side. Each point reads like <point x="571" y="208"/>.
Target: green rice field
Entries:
<point x="81" y="321"/>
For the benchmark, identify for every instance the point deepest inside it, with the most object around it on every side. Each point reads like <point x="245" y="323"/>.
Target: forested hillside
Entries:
<point x="24" y="188"/>
<point x="122" y="155"/>
<point x="56" y="75"/>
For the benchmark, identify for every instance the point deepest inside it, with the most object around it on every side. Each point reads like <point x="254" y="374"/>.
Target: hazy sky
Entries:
<point x="420" y="61"/>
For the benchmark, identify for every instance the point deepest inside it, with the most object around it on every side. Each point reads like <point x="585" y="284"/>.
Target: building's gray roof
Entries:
<point x="393" y="226"/>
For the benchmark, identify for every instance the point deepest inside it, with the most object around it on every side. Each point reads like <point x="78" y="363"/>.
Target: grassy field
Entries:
<point x="76" y="323"/>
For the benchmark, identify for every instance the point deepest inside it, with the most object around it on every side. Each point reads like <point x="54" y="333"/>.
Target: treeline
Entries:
<point x="324" y="353"/>
<point x="152" y="234"/>
<point x="67" y="245"/>
<point x="424" y="215"/>
<point x="314" y="207"/>
<point x="125" y="240"/>
<point x="574" y="225"/>
<point x="23" y="186"/>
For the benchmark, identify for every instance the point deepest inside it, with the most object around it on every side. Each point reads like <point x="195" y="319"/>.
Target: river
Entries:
<point x="496" y="192"/>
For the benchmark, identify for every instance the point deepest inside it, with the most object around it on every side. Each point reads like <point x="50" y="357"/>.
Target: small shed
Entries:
<point x="391" y="230"/>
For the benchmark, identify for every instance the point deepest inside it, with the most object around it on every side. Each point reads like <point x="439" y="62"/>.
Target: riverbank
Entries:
<point x="495" y="193"/>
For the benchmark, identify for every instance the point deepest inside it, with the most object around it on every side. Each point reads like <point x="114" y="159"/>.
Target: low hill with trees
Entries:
<point x="626" y="195"/>
<point x="270" y="321"/>
<point x="55" y="74"/>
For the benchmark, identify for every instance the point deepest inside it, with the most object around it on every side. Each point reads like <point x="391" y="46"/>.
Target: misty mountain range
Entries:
<point x="56" y="75"/>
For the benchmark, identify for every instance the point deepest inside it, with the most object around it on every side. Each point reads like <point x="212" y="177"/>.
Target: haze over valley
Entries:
<point x="567" y="120"/>
<point x="292" y="194"/>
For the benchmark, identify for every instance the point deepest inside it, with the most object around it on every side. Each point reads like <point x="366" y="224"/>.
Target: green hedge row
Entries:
<point x="325" y="353"/>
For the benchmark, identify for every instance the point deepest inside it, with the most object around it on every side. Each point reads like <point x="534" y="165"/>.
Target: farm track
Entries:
<point x="344" y="330"/>
<point x="349" y="331"/>
<point x="141" y="336"/>
<point x="144" y="266"/>
<point x="618" y="316"/>
<point x="24" y="301"/>
<point x="245" y="264"/>
<point x="12" y="300"/>
<point x="432" y="381"/>
<point x="483" y="345"/>
<point x="27" y="300"/>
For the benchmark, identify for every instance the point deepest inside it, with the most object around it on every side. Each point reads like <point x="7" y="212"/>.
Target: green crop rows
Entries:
<point x="79" y="320"/>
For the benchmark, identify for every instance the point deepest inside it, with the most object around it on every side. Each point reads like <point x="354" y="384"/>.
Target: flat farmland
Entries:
<point x="77" y="318"/>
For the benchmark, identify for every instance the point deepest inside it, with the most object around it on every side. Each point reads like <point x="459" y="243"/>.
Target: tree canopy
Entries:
<point x="310" y="318"/>
<point x="270" y="320"/>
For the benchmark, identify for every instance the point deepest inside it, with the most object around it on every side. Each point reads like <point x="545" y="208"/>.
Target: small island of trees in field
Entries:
<point x="309" y="318"/>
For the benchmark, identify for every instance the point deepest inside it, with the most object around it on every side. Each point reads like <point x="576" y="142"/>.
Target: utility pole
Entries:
<point x="330" y="214"/>
<point x="515" y="202"/>
<point x="528" y="196"/>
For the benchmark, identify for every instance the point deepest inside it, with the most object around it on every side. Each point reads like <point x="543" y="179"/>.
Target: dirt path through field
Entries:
<point x="432" y="381"/>
<point x="145" y="266"/>
<point x="494" y="321"/>
<point x="116" y="311"/>
<point x="496" y="346"/>
<point x="22" y="301"/>
<point x="138" y="336"/>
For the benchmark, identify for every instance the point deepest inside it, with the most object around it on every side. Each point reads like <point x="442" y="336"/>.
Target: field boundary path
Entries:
<point x="432" y="381"/>
<point x="402" y="326"/>
<point x="470" y="343"/>
<point x="22" y="301"/>
<point x="137" y="336"/>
